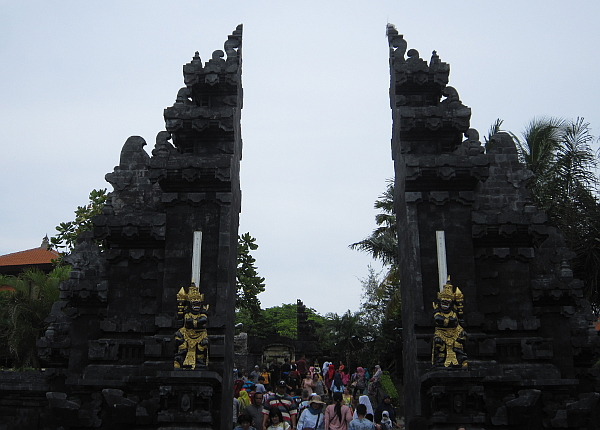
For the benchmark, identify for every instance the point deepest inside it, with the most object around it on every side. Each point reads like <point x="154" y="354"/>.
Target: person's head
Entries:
<point x="316" y="376"/>
<point x="316" y="402"/>
<point x="307" y="376"/>
<point x="387" y="399"/>
<point x="281" y="386"/>
<point x="305" y="394"/>
<point x="261" y="379"/>
<point x="337" y="397"/>
<point x="258" y="398"/>
<point x="361" y="410"/>
<point x="275" y="416"/>
<point x="245" y="421"/>
<point x="385" y="416"/>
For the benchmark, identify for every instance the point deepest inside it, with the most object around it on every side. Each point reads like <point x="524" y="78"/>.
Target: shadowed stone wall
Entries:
<point x="530" y="339"/>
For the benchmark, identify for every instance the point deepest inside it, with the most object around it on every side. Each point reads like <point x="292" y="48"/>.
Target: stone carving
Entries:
<point x="191" y="340"/>
<point x="449" y="337"/>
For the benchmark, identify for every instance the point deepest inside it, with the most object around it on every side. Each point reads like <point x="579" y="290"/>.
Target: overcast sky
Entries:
<point x="77" y="78"/>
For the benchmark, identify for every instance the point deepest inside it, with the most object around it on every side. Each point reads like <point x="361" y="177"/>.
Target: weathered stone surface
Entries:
<point x="109" y="347"/>
<point x="529" y="333"/>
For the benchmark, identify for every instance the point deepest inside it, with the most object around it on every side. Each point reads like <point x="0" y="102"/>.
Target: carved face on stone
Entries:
<point x="196" y="306"/>
<point x="445" y="304"/>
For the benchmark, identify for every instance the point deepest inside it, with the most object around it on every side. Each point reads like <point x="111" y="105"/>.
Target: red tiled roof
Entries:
<point x="29" y="257"/>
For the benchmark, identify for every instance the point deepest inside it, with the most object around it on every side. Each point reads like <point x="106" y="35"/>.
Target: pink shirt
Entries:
<point x="331" y="419"/>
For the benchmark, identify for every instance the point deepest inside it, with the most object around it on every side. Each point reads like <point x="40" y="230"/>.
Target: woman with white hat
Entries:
<point x="312" y="418"/>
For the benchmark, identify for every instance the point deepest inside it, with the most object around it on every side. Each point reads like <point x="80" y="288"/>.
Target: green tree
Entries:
<point x="560" y="155"/>
<point x="24" y="310"/>
<point x="345" y="336"/>
<point x="249" y="285"/>
<point x="276" y="321"/>
<point x="382" y="245"/>
<point x="69" y="231"/>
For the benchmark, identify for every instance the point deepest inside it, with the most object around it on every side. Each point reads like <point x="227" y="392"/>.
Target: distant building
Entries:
<point x="40" y="258"/>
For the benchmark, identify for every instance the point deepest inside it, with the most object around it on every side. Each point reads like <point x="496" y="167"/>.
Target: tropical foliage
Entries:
<point x="69" y="231"/>
<point x="382" y="245"/>
<point x="560" y="155"/>
<point x="24" y="307"/>
<point x="248" y="284"/>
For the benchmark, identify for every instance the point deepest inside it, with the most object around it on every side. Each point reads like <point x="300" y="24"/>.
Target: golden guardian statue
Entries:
<point x="191" y="340"/>
<point x="449" y="337"/>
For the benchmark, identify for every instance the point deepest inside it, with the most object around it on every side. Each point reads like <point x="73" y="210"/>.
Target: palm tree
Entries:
<point x="382" y="244"/>
<point x="559" y="154"/>
<point x="23" y="312"/>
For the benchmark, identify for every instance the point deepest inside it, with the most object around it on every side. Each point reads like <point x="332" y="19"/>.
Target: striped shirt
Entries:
<point x="286" y="405"/>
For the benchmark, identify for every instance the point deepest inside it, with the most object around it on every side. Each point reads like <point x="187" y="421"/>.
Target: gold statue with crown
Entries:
<point x="191" y="340"/>
<point x="449" y="337"/>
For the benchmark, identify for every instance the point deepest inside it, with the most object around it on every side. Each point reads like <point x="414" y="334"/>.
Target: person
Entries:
<point x="385" y="405"/>
<point x="236" y="410"/>
<point x="244" y="423"/>
<point x="338" y="415"/>
<point x="360" y="422"/>
<point x="313" y="416"/>
<point x="293" y="382"/>
<point x="305" y="403"/>
<point x="276" y="421"/>
<point x="286" y="368"/>
<point x="364" y="400"/>
<point x="348" y="397"/>
<point x="386" y="422"/>
<point x="320" y="387"/>
<point x="308" y="384"/>
<point x="329" y="376"/>
<point x="260" y="386"/>
<point x="284" y="403"/>
<point x="265" y="375"/>
<point x="244" y="399"/>
<point x="302" y="365"/>
<point x="359" y="382"/>
<point x="255" y="374"/>
<point x="255" y="410"/>
<point x="374" y="383"/>
<point x="337" y="386"/>
<point x="275" y="370"/>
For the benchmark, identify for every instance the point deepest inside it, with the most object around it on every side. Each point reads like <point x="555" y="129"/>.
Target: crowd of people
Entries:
<point x="299" y="396"/>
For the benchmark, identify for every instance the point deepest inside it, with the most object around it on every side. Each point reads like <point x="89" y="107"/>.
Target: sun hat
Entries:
<point x="316" y="399"/>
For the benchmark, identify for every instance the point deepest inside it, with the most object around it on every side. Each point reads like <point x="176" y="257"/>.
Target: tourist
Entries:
<point x="320" y="387"/>
<point x="245" y="423"/>
<point x="236" y="410"/>
<point x="255" y="374"/>
<point x="337" y="416"/>
<point x="275" y="370"/>
<point x="302" y="365"/>
<point x="255" y="410"/>
<point x="260" y="386"/>
<point x="276" y="421"/>
<point x="364" y="400"/>
<point x="348" y="398"/>
<point x="293" y="382"/>
<point x="329" y="376"/>
<point x="360" y="422"/>
<point x="359" y="382"/>
<point x="385" y="405"/>
<point x="304" y="403"/>
<point x="337" y="385"/>
<point x="266" y="377"/>
<point x="308" y="383"/>
<point x="386" y="422"/>
<point x="286" y="368"/>
<point x="244" y="400"/>
<point x="313" y="416"/>
<point x="282" y="402"/>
